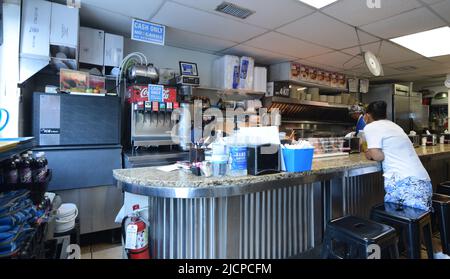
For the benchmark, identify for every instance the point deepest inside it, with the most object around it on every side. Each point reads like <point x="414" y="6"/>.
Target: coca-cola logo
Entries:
<point x="166" y="94"/>
<point x="144" y="92"/>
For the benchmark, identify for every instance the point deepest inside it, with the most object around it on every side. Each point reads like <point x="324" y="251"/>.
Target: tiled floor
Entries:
<point x="102" y="251"/>
<point x="101" y="245"/>
<point x="114" y="251"/>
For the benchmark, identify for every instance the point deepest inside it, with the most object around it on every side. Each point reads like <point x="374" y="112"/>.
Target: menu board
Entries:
<point x="300" y="72"/>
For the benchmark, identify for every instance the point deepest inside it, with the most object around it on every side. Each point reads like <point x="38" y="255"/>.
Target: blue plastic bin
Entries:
<point x="298" y="160"/>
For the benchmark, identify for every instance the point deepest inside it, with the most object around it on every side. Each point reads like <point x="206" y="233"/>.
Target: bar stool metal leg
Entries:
<point x="427" y="235"/>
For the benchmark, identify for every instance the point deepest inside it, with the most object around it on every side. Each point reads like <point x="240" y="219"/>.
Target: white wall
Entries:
<point x="168" y="57"/>
<point x="9" y="66"/>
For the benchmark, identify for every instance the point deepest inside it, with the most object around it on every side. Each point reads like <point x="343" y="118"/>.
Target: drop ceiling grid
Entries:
<point x="250" y="41"/>
<point x="356" y="12"/>
<point x="191" y="19"/>
<point x="263" y="17"/>
<point x="218" y="44"/>
<point x="417" y="20"/>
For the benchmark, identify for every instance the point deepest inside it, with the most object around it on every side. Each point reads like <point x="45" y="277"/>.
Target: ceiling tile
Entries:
<point x="443" y="59"/>
<point x="323" y="30"/>
<point x="285" y="10"/>
<point x="357" y="13"/>
<point x="415" y="21"/>
<point x="430" y="2"/>
<point x="185" y="39"/>
<point x="92" y="16"/>
<point x="443" y="9"/>
<point x="261" y="56"/>
<point x="319" y="65"/>
<point x="419" y="65"/>
<point x="280" y="43"/>
<point x="193" y="20"/>
<point x="131" y="8"/>
<point x="336" y="59"/>
<point x="389" y="53"/>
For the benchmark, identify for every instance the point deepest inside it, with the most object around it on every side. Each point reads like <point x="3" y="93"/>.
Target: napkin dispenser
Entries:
<point x="415" y="139"/>
<point x="352" y="145"/>
<point x="263" y="159"/>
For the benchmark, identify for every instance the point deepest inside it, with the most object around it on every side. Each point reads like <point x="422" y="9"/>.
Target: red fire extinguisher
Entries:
<point x="136" y="236"/>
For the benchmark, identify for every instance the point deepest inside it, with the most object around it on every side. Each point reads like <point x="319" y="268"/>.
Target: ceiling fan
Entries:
<point x="371" y="61"/>
<point x="447" y="82"/>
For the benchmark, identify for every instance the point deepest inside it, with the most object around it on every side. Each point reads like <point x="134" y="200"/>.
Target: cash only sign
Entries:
<point x="148" y="32"/>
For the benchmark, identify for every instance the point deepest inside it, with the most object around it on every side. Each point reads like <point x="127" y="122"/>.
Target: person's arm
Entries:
<point x="375" y="154"/>
<point x="374" y="138"/>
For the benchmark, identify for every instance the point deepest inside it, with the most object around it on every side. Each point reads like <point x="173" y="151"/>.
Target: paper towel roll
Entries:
<point x="226" y="72"/>
<point x="246" y="71"/>
<point x="260" y="79"/>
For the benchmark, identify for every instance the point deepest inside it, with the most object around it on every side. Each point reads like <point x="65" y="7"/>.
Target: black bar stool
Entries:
<point x="443" y="188"/>
<point x="441" y="205"/>
<point x="350" y="237"/>
<point x="411" y="224"/>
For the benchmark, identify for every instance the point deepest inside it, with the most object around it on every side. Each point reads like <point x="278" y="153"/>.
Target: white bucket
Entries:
<point x="65" y="217"/>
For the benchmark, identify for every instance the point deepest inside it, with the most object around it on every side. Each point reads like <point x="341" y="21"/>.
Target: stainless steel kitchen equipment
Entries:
<point x="403" y="106"/>
<point x="143" y="74"/>
<point x="310" y="119"/>
<point x="419" y="113"/>
<point x="396" y="97"/>
<point x="151" y="125"/>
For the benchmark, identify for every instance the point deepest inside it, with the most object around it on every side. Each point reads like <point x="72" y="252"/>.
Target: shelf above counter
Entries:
<point x="323" y="88"/>
<point x="228" y="93"/>
<point x="12" y="146"/>
<point x="268" y="101"/>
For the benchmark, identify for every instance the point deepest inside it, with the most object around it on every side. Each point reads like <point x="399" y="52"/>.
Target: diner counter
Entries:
<point x="182" y="184"/>
<point x="258" y="217"/>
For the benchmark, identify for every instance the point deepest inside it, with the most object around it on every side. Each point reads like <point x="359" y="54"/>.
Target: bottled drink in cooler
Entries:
<point x="10" y="171"/>
<point x="25" y="172"/>
<point x="40" y="167"/>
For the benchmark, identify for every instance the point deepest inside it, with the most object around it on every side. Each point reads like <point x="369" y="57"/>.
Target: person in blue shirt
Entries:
<point x="357" y="113"/>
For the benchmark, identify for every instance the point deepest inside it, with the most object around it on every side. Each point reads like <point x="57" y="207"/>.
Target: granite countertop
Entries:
<point x="152" y="177"/>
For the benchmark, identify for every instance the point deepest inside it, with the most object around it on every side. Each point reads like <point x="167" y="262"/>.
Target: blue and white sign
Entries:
<point x="155" y="93"/>
<point x="148" y="32"/>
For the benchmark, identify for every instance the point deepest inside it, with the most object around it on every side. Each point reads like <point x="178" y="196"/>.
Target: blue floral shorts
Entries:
<point x="409" y="191"/>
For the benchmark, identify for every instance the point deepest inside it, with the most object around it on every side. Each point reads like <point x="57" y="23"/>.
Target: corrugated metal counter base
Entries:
<point x="273" y="224"/>
<point x="266" y="225"/>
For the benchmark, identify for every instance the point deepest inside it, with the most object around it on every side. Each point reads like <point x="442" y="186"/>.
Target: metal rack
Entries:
<point x="23" y="145"/>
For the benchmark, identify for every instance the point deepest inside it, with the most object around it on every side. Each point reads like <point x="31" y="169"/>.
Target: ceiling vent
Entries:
<point x="406" y="68"/>
<point x="234" y="10"/>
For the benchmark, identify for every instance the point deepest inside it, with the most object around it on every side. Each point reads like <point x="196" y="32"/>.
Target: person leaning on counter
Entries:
<point x="406" y="180"/>
<point x="357" y="113"/>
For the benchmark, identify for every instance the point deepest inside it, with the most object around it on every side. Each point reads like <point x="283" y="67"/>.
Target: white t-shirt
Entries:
<point x="400" y="158"/>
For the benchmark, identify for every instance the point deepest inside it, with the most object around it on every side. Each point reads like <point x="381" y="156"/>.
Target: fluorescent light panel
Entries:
<point x="430" y="43"/>
<point x="318" y="4"/>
